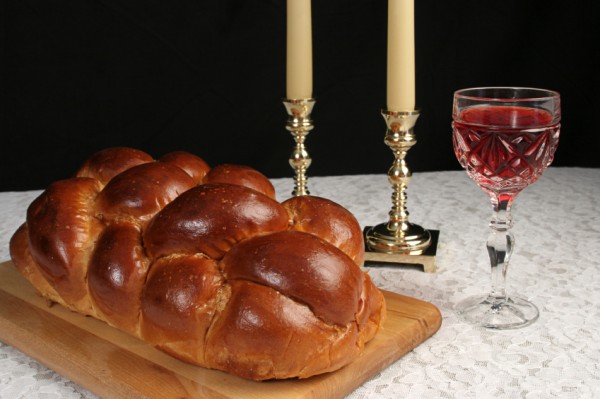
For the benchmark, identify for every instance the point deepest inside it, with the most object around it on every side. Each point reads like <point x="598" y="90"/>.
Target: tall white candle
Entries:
<point x="299" y="74"/>
<point x="401" y="56"/>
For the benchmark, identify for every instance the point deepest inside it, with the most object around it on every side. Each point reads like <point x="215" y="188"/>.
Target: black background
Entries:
<point x="208" y="76"/>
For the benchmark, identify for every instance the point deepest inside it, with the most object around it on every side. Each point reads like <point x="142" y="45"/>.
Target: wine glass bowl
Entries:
<point x="505" y="138"/>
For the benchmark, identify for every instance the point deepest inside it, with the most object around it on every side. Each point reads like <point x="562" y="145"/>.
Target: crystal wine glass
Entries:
<point x="504" y="137"/>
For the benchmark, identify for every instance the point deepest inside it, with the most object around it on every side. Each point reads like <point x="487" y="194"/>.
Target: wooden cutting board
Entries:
<point x="113" y="364"/>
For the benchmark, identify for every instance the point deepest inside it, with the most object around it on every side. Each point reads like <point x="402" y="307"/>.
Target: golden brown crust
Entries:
<point x="303" y="267"/>
<point x="210" y="219"/>
<point x="263" y="334"/>
<point x="62" y="232"/>
<point x="107" y="163"/>
<point x="21" y="256"/>
<point x="371" y="312"/>
<point x="178" y="304"/>
<point x="206" y="266"/>
<point x="117" y="274"/>
<point x="242" y="176"/>
<point x="140" y="192"/>
<point x="328" y="220"/>
<point x="193" y="165"/>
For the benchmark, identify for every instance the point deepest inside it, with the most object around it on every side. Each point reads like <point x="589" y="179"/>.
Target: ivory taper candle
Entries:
<point x="299" y="74"/>
<point x="401" y="56"/>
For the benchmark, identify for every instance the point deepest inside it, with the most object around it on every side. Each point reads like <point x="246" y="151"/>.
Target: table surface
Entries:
<point x="556" y="264"/>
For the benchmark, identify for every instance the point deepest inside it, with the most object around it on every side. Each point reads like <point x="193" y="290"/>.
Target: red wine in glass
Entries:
<point x="505" y="148"/>
<point x="504" y="138"/>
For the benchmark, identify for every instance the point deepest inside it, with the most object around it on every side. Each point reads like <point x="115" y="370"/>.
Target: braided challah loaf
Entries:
<point x="204" y="263"/>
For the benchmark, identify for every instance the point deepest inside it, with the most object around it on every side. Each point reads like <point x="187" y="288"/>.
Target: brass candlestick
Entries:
<point x="398" y="236"/>
<point x="299" y="124"/>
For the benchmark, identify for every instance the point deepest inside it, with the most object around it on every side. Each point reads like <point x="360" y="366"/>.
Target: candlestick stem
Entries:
<point x="299" y="124"/>
<point x="398" y="235"/>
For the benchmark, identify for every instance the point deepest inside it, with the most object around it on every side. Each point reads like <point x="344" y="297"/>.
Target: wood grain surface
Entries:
<point x="113" y="364"/>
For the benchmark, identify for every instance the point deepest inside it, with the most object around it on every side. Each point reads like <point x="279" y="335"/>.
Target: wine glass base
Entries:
<point x="497" y="313"/>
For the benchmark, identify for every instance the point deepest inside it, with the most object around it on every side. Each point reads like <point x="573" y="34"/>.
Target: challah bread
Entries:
<point x="204" y="263"/>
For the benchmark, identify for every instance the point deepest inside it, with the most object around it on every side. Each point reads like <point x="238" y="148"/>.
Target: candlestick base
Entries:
<point x="424" y="257"/>
<point x="410" y="239"/>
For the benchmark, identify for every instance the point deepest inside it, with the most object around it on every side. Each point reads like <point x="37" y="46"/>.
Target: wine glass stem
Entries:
<point x="500" y="245"/>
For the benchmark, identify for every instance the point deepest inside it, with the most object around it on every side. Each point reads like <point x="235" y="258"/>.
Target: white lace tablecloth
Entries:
<point x="556" y="264"/>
